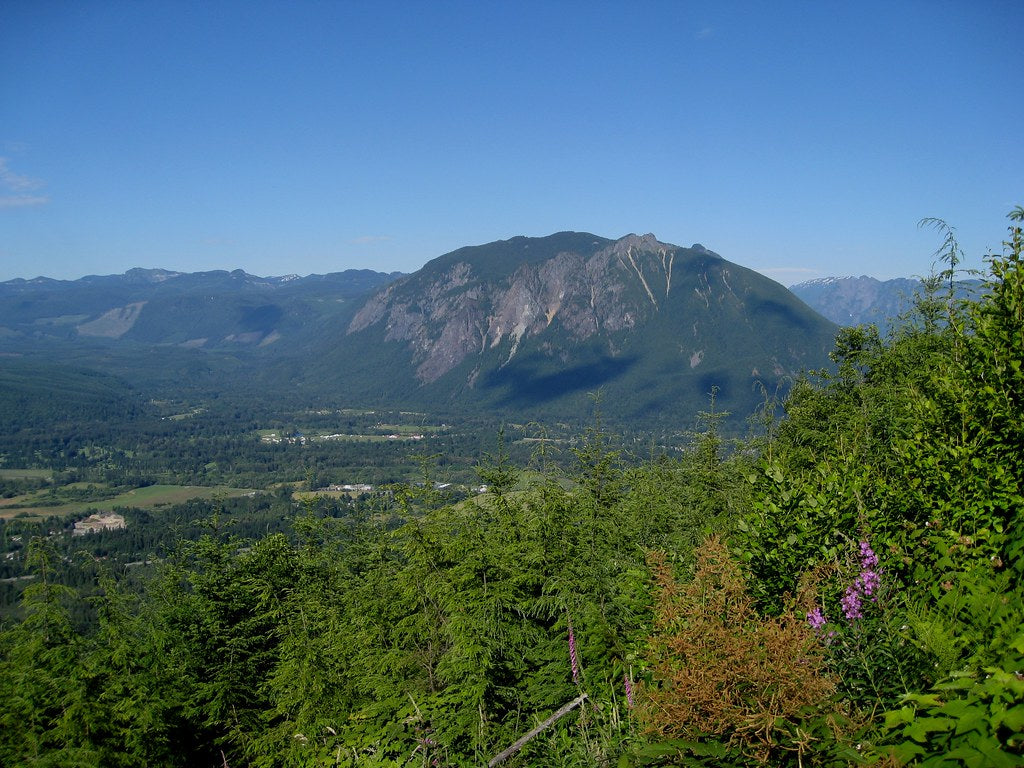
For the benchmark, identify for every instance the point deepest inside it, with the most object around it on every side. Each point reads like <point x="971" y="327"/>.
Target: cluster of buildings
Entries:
<point x="302" y="439"/>
<point x="105" y="521"/>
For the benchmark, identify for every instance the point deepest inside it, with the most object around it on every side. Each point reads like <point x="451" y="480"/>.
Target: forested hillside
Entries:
<point x="526" y="327"/>
<point x="845" y="589"/>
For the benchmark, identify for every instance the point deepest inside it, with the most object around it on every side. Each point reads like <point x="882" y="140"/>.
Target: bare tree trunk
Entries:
<point x="524" y="740"/>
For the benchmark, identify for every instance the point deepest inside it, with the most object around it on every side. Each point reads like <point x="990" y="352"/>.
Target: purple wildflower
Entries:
<point x="629" y="690"/>
<point x="868" y="582"/>
<point x="816" y="618"/>
<point x="868" y="558"/>
<point x="869" y="579"/>
<point x="572" y="655"/>
<point x="851" y="603"/>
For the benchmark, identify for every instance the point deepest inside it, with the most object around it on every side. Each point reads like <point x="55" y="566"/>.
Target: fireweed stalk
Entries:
<point x="572" y="655"/>
<point x="864" y="586"/>
<point x="868" y="656"/>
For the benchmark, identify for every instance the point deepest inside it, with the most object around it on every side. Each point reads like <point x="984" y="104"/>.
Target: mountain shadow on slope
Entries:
<point x="529" y="326"/>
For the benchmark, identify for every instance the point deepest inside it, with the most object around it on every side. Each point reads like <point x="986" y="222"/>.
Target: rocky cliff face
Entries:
<point x="448" y="315"/>
<point x="530" y="327"/>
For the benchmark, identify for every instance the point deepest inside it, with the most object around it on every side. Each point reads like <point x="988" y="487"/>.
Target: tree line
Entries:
<point x="844" y="590"/>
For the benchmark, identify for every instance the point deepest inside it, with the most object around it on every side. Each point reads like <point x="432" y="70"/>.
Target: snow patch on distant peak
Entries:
<point x="825" y="281"/>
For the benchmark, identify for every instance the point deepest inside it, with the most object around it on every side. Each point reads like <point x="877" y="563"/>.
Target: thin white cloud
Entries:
<point x="366" y="239"/>
<point x="18" y="188"/>
<point x="15" y="181"/>
<point x="704" y="33"/>
<point x="22" y="201"/>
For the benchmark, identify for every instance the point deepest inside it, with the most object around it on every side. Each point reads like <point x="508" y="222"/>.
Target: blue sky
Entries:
<point x="799" y="139"/>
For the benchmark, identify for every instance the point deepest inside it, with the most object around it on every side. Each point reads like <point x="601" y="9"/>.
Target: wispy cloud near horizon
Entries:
<point x="18" y="188"/>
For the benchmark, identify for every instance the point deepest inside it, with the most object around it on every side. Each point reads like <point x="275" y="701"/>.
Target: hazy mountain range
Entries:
<point x="523" y="328"/>
<point x="200" y="309"/>
<point x="863" y="300"/>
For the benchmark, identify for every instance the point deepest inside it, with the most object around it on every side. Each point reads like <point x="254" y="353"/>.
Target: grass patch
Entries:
<point x="26" y="474"/>
<point x="144" y="498"/>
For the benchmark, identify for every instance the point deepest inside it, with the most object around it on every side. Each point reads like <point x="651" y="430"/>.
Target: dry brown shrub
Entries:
<point x="722" y="671"/>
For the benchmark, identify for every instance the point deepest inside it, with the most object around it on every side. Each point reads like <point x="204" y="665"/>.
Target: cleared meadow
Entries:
<point x="25" y="474"/>
<point x="148" y="497"/>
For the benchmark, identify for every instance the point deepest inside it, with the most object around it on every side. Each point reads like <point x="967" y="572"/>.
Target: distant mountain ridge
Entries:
<point x="866" y="300"/>
<point x="156" y="306"/>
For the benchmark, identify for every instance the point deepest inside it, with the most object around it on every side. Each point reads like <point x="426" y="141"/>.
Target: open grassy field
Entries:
<point x="144" y="498"/>
<point x="25" y="474"/>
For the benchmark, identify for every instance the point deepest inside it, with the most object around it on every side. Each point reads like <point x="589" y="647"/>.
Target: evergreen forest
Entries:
<point x="844" y="588"/>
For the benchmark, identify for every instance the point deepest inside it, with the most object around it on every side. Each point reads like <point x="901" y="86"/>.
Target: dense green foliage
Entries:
<point x="843" y="590"/>
<point x="414" y="627"/>
<point x="893" y="495"/>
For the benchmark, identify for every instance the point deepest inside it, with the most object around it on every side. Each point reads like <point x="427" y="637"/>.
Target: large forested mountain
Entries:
<point x="531" y="325"/>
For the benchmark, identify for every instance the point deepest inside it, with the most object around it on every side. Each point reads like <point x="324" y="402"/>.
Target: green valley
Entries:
<point x="297" y="580"/>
